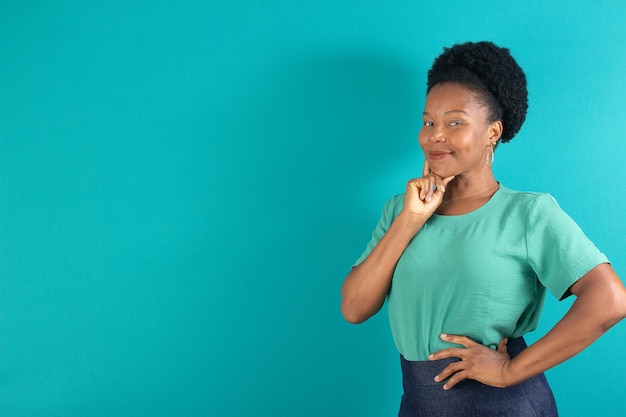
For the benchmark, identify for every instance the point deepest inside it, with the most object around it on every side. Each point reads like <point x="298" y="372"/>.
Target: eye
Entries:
<point x="455" y="123"/>
<point x="428" y="124"/>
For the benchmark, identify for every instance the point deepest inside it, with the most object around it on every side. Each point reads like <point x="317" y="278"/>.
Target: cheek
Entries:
<point x="422" y="138"/>
<point x="470" y="144"/>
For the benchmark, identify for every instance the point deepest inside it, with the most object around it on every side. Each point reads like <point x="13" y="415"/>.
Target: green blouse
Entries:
<point x="483" y="274"/>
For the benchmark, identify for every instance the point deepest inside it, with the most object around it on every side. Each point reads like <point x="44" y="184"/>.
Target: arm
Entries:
<point x="600" y="304"/>
<point x="364" y="290"/>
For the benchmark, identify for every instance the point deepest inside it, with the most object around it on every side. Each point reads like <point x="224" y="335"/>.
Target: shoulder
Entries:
<point x="394" y="205"/>
<point x="529" y="209"/>
<point x="528" y="201"/>
<point x="540" y="213"/>
<point x="397" y="199"/>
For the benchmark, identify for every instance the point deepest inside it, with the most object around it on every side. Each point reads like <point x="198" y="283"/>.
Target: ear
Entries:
<point x="495" y="131"/>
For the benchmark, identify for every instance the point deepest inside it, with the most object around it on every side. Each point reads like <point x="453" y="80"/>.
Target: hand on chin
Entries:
<point x="442" y="172"/>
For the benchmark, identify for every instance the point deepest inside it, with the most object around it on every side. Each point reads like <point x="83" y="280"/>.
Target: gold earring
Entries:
<point x="492" y="153"/>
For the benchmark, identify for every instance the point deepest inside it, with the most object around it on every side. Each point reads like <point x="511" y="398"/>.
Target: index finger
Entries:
<point x="426" y="169"/>
<point x="459" y="340"/>
<point x="454" y="352"/>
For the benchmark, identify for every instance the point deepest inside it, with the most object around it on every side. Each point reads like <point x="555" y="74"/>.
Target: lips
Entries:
<point x="436" y="155"/>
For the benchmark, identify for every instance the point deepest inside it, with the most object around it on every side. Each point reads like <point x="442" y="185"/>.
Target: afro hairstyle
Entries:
<point x="493" y="74"/>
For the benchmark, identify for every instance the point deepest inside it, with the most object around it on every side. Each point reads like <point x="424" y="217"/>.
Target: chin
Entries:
<point x="442" y="172"/>
<point x="443" y="169"/>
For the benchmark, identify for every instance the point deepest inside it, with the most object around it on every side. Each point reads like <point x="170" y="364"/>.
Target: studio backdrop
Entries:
<point x="185" y="184"/>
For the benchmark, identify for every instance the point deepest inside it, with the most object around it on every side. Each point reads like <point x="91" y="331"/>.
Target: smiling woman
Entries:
<point x="456" y="136"/>
<point x="465" y="263"/>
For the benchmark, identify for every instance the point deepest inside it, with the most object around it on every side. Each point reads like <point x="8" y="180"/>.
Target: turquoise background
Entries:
<point x="184" y="185"/>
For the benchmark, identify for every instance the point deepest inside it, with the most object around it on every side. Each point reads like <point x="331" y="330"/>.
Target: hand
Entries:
<point x="425" y="194"/>
<point x="478" y="362"/>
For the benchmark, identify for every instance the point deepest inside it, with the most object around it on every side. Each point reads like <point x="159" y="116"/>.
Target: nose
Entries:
<point x="437" y="137"/>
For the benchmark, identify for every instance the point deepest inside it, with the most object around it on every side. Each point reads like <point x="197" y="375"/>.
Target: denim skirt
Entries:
<point x="423" y="397"/>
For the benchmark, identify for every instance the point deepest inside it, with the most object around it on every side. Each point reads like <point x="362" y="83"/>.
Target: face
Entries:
<point x="456" y="137"/>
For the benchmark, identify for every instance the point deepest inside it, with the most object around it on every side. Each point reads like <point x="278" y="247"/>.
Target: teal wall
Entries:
<point x="185" y="184"/>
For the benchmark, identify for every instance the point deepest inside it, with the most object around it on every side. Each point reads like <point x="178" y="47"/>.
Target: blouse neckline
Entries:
<point x="441" y="219"/>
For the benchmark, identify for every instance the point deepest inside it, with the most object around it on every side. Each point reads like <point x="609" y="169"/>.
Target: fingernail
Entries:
<point x="431" y="356"/>
<point x="444" y="336"/>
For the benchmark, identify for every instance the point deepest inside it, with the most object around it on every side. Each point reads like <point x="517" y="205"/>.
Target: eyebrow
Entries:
<point x="448" y="112"/>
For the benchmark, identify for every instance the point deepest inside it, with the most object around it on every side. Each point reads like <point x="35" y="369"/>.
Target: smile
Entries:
<point x="436" y="155"/>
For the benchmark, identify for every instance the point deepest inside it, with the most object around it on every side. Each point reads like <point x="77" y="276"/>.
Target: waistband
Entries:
<point x="423" y="372"/>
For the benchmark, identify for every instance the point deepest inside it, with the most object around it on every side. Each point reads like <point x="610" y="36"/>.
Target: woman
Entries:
<point x="465" y="262"/>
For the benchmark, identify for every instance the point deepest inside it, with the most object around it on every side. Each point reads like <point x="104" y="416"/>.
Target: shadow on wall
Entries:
<point x="296" y="164"/>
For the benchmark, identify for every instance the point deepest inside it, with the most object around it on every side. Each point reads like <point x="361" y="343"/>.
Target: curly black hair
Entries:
<point x="493" y="74"/>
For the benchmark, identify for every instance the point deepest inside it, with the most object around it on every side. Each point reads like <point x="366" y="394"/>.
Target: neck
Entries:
<point x="464" y="194"/>
<point x="463" y="188"/>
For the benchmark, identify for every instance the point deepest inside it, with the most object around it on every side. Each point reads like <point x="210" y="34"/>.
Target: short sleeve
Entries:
<point x="558" y="251"/>
<point x="390" y="211"/>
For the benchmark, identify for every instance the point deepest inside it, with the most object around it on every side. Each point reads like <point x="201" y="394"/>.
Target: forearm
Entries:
<point x="366" y="286"/>
<point x="600" y="303"/>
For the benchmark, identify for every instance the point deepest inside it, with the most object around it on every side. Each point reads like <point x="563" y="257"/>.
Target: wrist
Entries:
<point x="511" y="374"/>
<point x="410" y="222"/>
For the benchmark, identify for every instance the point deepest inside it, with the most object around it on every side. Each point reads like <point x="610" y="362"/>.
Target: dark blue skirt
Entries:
<point x="423" y="397"/>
